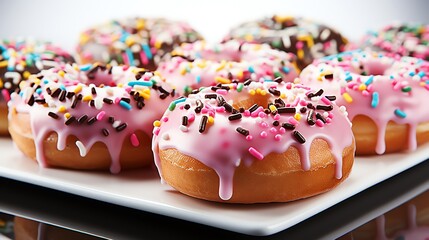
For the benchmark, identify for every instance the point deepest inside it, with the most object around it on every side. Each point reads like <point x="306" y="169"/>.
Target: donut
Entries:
<point x="253" y="142"/>
<point x="134" y="41"/>
<point x="19" y="59"/>
<point x="399" y="38"/>
<point x="27" y="229"/>
<point x="383" y="96"/>
<point x="88" y="117"/>
<point x="409" y="221"/>
<point x="305" y="38"/>
<point x="195" y="65"/>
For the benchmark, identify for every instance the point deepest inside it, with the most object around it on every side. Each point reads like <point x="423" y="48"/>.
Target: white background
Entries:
<point x="61" y="21"/>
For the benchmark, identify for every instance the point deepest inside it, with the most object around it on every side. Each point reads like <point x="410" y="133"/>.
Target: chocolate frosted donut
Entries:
<point x="305" y="38"/>
<point x="403" y="39"/>
<point x="135" y="41"/>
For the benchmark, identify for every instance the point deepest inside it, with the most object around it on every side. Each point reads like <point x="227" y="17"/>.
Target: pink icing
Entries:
<point x="413" y="232"/>
<point x="264" y="136"/>
<point x="201" y="64"/>
<point x="400" y="84"/>
<point x="88" y="134"/>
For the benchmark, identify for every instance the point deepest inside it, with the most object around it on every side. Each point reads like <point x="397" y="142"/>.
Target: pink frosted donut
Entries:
<point x="383" y="96"/>
<point x="254" y="142"/>
<point x="198" y="65"/>
<point x="88" y="117"/>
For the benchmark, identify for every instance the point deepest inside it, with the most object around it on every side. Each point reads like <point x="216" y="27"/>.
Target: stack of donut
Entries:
<point x="231" y="122"/>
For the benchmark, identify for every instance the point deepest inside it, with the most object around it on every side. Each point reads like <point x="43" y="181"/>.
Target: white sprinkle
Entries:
<point x="98" y="102"/>
<point x="116" y="123"/>
<point x="82" y="149"/>
<point x="325" y="34"/>
<point x="183" y="128"/>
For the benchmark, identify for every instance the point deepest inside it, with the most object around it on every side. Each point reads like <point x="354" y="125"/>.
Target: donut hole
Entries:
<point x="246" y="102"/>
<point x="375" y="67"/>
<point x="219" y="56"/>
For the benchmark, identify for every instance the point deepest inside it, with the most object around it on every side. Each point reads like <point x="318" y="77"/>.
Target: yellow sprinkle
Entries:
<point x="157" y="73"/>
<point x="140" y="24"/>
<point x="83" y="39"/>
<point x="145" y="95"/>
<point x="87" y="98"/>
<point x="221" y="66"/>
<point x="347" y="97"/>
<point x="240" y="74"/>
<point x="210" y="120"/>
<point x="62" y="109"/>
<point x="281" y="19"/>
<point x="26" y="74"/>
<point x="76" y="67"/>
<point x="362" y="87"/>
<point x="120" y="85"/>
<point x="282" y="95"/>
<point x="157" y="123"/>
<point x="308" y="39"/>
<point x="300" y="53"/>
<point x="297" y="80"/>
<point x="61" y="73"/>
<point x="263" y="92"/>
<point x="1" y="83"/>
<point x="297" y="116"/>
<point x="252" y="92"/>
<point x="67" y="115"/>
<point x="222" y="80"/>
<point x="422" y="84"/>
<point x="202" y="64"/>
<point x="36" y="80"/>
<point x="158" y="44"/>
<point x="190" y="65"/>
<point x="3" y="64"/>
<point x="273" y="108"/>
<point x="183" y="71"/>
<point x="129" y="41"/>
<point x="78" y="89"/>
<point x="248" y="38"/>
<point x="257" y="47"/>
<point x="258" y="91"/>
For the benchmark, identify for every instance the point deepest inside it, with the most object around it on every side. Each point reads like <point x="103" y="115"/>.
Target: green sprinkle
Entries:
<point x="406" y="89"/>
<point x="240" y="87"/>
<point x="172" y="106"/>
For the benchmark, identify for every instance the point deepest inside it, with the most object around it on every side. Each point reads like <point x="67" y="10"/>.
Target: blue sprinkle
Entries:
<point x="85" y="67"/>
<point x="198" y="55"/>
<point x="198" y="79"/>
<point x="62" y="87"/>
<point x="251" y="69"/>
<point x="412" y="74"/>
<point x="400" y="113"/>
<point x="125" y="105"/>
<point x="179" y="100"/>
<point x="130" y="56"/>
<point x="286" y="69"/>
<point x="141" y="83"/>
<point x="39" y="91"/>
<point x="375" y="100"/>
<point x="46" y="81"/>
<point x="369" y="80"/>
<point x="6" y="55"/>
<point x="421" y="74"/>
<point x="348" y="78"/>
<point x="392" y="77"/>
<point x="427" y="81"/>
<point x="147" y="51"/>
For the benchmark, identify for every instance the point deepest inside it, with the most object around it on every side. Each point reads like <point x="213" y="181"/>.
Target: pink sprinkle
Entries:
<point x="264" y="124"/>
<point x="330" y="115"/>
<point x="246" y="113"/>
<point x="257" y="111"/>
<point x="277" y="117"/>
<point x="365" y="93"/>
<point x="156" y="131"/>
<point x="6" y="95"/>
<point x="117" y="100"/>
<point x="292" y="120"/>
<point x="427" y="87"/>
<point x="164" y="119"/>
<point x="211" y="114"/>
<point x="273" y="130"/>
<point x="297" y="100"/>
<point x="264" y="134"/>
<point x="191" y="117"/>
<point x="282" y="130"/>
<point x="328" y="120"/>
<point x="319" y="123"/>
<point x="143" y="58"/>
<point x="256" y="153"/>
<point x="288" y="85"/>
<point x="304" y="103"/>
<point x="249" y="137"/>
<point x="225" y="144"/>
<point x="351" y="84"/>
<point x="222" y="91"/>
<point x="204" y="111"/>
<point x="262" y="115"/>
<point x="126" y="60"/>
<point x="220" y="109"/>
<point x="325" y="100"/>
<point x="100" y="115"/>
<point x="134" y="140"/>
<point x="278" y="137"/>
<point x="299" y="45"/>
<point x="181" y="107"/>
